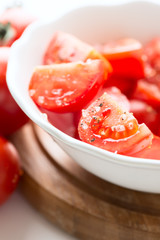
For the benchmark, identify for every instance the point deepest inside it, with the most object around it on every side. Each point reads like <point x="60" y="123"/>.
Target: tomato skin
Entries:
<point x="66" y="87"/>
<point x="11" y="116"/>
<point x="126" y="85"/>
<point x="105" y="115"/>
<point x="148" y="92"/>
<point x="19" y="19"/>
<point x="64" y="48"/>
<point x="144" y="113"/>
<point x="126" y="57"/>
<point x="10" y="170"/>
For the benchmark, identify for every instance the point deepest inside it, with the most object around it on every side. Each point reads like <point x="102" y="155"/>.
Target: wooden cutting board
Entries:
<point x="77" y="201"/>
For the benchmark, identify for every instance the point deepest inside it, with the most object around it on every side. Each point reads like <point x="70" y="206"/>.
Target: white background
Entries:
<point x="18" y="220"/>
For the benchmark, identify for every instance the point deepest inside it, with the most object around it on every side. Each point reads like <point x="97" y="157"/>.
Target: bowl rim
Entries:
<point x="85" y="147"/>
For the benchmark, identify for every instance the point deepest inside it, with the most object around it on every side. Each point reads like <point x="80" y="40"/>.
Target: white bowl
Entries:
<point x="137" y="19"/>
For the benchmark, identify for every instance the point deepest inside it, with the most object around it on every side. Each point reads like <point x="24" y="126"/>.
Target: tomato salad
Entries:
<point x="107" y="95"/>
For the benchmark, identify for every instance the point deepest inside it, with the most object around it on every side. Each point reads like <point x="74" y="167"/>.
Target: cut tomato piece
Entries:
<point x="126" y="85"/>
<point x="126" y="57"/>
<point x="105" y="124"/>
<point x="116" y="94"/>
<point x="148" y="92"/>
<point x="145" y="113"/>
<point x="65" y="48"/>
<point x="66" y="87"/>
<point x="62" y="121"/>
<point x="152" y="51"/>
<point x="151" y="152"/>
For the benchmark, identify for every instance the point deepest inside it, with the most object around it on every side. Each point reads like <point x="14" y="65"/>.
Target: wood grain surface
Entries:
<point x="77" y="201"/>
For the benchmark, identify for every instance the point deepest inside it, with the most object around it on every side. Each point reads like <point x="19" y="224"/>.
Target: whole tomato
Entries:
<point x="11" y="116"/>
<point x="9" y="169"/>
<point x="13" y="22"/>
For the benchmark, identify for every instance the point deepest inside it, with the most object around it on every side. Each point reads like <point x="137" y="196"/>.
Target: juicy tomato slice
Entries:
<point x="65" y="48"/>
<point x="151" y="152"/>
<point x="66" y="87"/>
<point x="105" y="124"/>
<point x="126" y="57"/>
<point x="117" y="95"/>
<point x="145" y="113"/>
<point x="148" y="92"/>
<point x="9" y="169"/>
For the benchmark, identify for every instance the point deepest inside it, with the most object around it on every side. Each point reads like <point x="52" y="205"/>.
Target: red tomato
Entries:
<point x="58" y="120"/>
<point x="66" y="87"/>
<point x="116" y="94"/>
<point x="11" y="116"/>
<point x="148" y="92"/>
<point x="126" y="85"/>
<point x="65" y="48"/>
<point x="105" y="124"/>
<point x="126" y="57"/>
<point x="148" y="89"/>
<point x="151" y="152"/>
<point x="13" y="22"/>
<point x="144" y="113"/>
<point x="9" y="169"/>
<point x="152" y="50"/>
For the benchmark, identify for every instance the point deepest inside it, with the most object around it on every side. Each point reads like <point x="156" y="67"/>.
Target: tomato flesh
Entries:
<point x="65" y="48"/>
<point x="145" y="113"/>
<point x="152" y="51"/>
<point x="68" y="86"/>
<point x="106" y="125"/>
<point x="148" y="92"/>
<point x="126" y="57"/>
<point x="119" y="97"/>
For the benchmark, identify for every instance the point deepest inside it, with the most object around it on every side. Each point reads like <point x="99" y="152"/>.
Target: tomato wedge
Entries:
<point x="126" y="57"/>
<point x="105" y="124"/>
<point x="148" y="92"/>
<point x="66" y="87"/>
<point x="152" y="51"/>
<point x="151" y="152"/>
<point x="145" y="113"/>
<point x="65" y="48"/>
<point x="116" y="94"/>
<point x="125" y="84"/>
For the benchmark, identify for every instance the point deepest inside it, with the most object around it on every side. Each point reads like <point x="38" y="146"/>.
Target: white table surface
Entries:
<point x="18" y="220"/>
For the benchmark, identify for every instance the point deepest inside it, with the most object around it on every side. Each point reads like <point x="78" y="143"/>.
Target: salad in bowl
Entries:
<point x="92" y="83"/>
